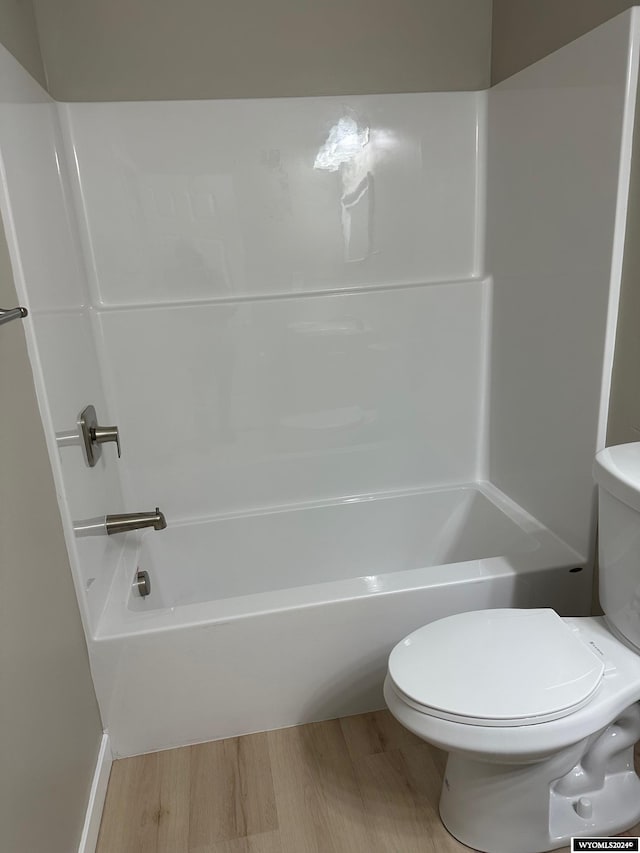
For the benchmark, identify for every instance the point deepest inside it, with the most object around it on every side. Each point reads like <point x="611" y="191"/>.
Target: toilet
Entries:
<point x="539" y="713"/>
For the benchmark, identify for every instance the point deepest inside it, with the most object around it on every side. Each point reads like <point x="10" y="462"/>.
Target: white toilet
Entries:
<point x="539" y="713"/>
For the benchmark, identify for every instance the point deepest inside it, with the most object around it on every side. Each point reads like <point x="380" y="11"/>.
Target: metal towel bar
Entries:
<point x="9" y="314"/>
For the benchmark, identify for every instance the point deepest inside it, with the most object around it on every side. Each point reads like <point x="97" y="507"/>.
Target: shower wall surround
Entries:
<point x="197" y="200"/>
<point x="288" y="293"/>
<point x="49" y="273"/>
<point x="285" y="303"/>
<point x="560" y="138"/>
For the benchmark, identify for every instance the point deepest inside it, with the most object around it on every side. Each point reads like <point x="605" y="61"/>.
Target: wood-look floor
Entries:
<point x="354" y="785"/>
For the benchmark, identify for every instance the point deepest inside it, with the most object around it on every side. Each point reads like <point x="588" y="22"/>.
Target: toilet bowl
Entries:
<point x="539" y="713"/>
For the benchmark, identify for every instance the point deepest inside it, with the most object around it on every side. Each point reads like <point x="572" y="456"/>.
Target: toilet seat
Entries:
<point x="501" y="668"/>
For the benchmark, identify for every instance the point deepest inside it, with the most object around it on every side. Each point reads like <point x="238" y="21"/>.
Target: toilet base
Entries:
<point x="500" y="808"/>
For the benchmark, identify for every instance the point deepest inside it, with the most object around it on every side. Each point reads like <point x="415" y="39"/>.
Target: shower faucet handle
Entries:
<point x="94" y="435"/>
<point x="101" y="435"/>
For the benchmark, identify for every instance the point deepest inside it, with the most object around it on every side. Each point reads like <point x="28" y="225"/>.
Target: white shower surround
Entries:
<point x="293" y="373"/>
<point x="368" y="404"/>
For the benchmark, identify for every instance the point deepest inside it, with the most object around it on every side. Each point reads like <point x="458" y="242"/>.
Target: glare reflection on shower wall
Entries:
<point x="348" y="151"/>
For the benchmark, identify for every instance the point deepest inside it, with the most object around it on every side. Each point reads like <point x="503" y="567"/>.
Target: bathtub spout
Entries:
<point x="124" y="522"/>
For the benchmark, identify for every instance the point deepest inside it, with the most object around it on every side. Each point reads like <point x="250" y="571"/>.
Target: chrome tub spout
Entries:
<point x="124" y="522"/>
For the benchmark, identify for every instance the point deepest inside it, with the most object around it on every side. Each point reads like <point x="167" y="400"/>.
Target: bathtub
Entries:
<point x="270" y="619"/>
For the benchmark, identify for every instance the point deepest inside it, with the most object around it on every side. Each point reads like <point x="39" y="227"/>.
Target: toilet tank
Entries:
<point x="616" y="470"/>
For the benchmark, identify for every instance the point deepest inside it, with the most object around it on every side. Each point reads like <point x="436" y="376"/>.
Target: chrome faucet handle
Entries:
<point x="94" y="435"/>
<point x="101" y="435"/>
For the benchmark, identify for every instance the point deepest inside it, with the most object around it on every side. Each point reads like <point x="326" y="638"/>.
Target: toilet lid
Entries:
<point x="496" y="667"/>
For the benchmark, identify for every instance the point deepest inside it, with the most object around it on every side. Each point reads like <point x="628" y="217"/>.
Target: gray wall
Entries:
<point x="50" y="728"/>
<point x="18" y="33"/>
<point x="169" y="49"/>
<point x="526" y="30"/>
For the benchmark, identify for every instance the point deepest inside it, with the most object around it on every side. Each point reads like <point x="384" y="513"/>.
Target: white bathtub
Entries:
<point x="275" y="618"/>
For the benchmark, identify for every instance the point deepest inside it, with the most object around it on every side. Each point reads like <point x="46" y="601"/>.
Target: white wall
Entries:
<point x="275" y="332"/>
<point x="234" y="406"/>
<point x="212" y="199"/>
<point x="559" y="144"/>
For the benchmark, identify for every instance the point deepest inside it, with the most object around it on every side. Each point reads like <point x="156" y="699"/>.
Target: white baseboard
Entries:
<point x="92" y="819"/>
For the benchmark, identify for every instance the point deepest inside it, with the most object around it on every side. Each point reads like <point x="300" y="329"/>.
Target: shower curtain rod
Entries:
<point x="9" y="314"/>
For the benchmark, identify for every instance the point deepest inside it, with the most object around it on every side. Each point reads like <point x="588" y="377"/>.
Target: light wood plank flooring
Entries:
<point x="354" y="785"/>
